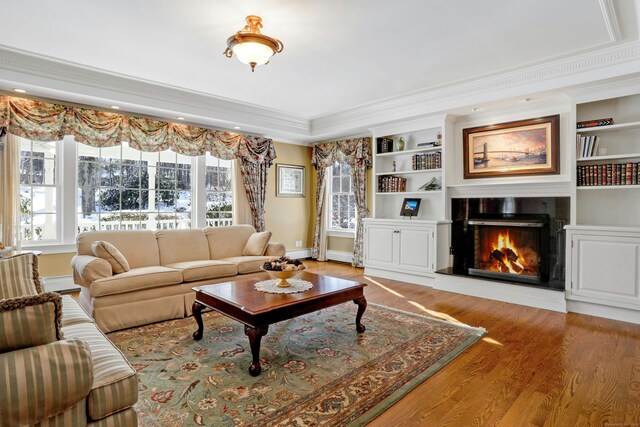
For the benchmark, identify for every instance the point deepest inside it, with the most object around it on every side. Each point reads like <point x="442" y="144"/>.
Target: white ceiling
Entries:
<point x="338" y="54"/>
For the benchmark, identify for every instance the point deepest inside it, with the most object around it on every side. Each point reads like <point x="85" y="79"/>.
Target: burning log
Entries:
<point x="498" y="256"/>
<point x="510" y="254"/>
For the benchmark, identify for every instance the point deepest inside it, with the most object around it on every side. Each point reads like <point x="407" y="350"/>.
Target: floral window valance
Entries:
<point x="355" y="151"/>
<point x="44" y="121"/>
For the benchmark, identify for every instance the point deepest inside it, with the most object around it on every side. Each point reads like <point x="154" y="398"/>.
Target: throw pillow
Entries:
<point x="107" y="251"/>
<point x="19" y="276"/>
<point x="30" y="321"/>
<point x="257" y="244"/>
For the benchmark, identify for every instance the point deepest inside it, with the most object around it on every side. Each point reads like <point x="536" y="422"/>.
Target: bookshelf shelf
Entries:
<point x="414" y="151"/>
<point x="611" y="128"/>
<point x="411" y="172"/>
<point x="609" y="157"/>
<point x="608" y="187"/>
<point x="409" y="193"/>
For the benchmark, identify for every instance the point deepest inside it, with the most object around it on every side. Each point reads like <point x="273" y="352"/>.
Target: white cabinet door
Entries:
<point x="380" y="242"/>
<point x="415" y="251"/>
<point x="605" y="269"/>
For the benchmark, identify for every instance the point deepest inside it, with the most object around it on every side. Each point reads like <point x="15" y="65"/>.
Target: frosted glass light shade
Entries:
<point x="249" y="52"/>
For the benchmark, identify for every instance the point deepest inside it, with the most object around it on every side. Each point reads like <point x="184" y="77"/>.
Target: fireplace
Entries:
<point x="510" y="247"/>
<point x="516" y="240"/>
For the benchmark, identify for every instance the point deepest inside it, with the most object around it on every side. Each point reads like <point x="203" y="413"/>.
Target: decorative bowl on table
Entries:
<point x="283" y="268"/>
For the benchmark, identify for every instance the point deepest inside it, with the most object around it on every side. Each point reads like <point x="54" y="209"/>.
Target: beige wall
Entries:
<point x="55" y="264"/>
<point x="290" y="218"/>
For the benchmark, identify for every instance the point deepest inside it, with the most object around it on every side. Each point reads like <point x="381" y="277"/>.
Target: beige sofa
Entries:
<point x="164" y="267"/>
<point x="57" y="368"/>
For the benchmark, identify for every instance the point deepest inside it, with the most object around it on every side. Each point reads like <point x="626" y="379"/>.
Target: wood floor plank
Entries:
<point x="534" y="367"/>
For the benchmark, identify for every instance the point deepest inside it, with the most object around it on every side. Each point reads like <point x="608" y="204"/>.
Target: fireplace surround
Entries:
<point x="513" y="240"/>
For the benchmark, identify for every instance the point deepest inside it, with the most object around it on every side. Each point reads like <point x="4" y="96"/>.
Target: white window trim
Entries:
<point x="330" y="231"/>
<point x="67" y="199"/>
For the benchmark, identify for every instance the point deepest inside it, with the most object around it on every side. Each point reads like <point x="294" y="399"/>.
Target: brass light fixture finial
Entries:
<point x="251" y="46"/>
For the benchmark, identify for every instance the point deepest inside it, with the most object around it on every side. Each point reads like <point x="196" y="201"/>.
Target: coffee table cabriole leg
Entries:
<point x="196" y="308"/>
<point x="362" y="306"/>
<point x="255" y="336"/>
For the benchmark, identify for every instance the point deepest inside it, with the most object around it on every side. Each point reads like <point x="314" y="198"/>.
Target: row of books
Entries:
<point x="384" y="145"/>
<point x="594" y="123"/>
<point x="391" y="184"/>
<point x="588" y="145"/>
<point x="608" y="174"/>
<point x="426" y="161"/>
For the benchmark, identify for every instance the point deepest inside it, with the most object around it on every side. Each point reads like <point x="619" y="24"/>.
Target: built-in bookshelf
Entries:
<point x="607" y="163"/>
<point x="411" y="168"/>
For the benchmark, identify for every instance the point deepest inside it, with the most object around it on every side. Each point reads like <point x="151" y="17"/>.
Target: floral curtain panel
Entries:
<point x="357" y="153"/>
<point x="44" y="121"/>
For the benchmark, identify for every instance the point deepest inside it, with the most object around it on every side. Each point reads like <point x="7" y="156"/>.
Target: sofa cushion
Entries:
<point x="72" y="312"/>
<point x="19" y="276"/>
<point x="115" y="383"/>
<point x="139" y="247"/>
<point x="112" y="255"/>
<point x="136" y="279"/>
<point x="257" y="244"/>
<point x="30" y="321"/>
<point x="182" y="245"/>
<point x="229" y="241"/>
<point x="193" y="271"/>
<point x="248" y="264"/>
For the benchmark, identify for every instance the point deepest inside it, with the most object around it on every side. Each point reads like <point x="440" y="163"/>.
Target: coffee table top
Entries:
<point x="242" y="293"/>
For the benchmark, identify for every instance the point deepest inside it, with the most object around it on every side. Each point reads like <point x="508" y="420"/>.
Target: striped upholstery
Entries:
<point x="115" y="382"/>
<point x="126" y="418"/>
<point x="29" y="321"/>
<point x="38" y="382"/>
<point x="19" y="276"/>
<point x="74" y="416"/>
<point x="73" y="313"/>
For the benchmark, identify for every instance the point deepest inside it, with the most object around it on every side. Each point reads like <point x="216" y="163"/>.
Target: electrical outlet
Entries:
<point x="298" y="243"/>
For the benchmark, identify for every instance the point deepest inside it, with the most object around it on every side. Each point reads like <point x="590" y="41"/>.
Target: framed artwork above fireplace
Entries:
<point x="525" y="147"/>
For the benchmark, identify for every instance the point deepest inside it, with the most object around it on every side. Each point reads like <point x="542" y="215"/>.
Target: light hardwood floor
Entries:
<point x="534" y="367"/>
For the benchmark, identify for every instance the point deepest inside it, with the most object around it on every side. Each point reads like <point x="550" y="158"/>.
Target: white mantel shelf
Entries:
<point x="516" y="189"/>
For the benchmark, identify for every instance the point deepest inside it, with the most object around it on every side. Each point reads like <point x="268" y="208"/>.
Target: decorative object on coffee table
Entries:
<point x="283" y="268"/>
<point x="295" y="286"/>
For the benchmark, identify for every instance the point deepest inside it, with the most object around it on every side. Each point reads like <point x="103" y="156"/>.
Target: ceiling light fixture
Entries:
<point x="236" y="127"/>
<point x="180" y="118"/>
<point x="251" y="46"/>
<point x="474" y="109"/>
<point x="20" y="90"/>
<point x="115" y="107"/>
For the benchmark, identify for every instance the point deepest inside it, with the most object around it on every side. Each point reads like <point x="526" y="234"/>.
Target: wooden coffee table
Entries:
<point x="240" y="301"/>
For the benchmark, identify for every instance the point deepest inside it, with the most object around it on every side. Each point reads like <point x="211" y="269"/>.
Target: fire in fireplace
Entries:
<point x="510" y="249"/>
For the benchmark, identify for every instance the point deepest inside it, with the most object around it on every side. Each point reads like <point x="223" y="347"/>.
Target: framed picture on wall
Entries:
<point x="290" y="181"/>
<point x="525" y="147"/>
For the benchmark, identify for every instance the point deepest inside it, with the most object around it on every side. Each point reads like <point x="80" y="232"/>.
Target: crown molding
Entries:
<point x="71" y="82"/>
<point x="610" y="62"/>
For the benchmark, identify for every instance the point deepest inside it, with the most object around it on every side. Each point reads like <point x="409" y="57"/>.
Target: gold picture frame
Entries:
<point x="525" y="147"/>
<point x="290" y="180"/>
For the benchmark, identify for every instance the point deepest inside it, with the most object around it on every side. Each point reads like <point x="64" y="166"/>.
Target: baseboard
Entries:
<point x="402" y="277"/>
<point x="514" y="294"/>
<point x="300" y="253"/>
<point x="340" y="256"/>
<point x="608" y="312"/>
<point x="60" y="284"/>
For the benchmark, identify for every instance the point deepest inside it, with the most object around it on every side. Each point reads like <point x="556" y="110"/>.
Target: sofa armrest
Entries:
<point x="87" y="269"/>
<point x="275" y="249"/>
<point x="59" y="376"/>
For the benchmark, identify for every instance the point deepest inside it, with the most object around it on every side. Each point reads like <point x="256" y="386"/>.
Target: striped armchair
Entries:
<point x="56" y="367"/>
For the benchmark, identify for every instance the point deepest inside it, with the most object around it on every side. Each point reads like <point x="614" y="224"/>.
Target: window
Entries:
<point x="120" y="188"/>
<point x="218" y="191"/>
<point x="38" y="191"/>
<point x="342" y="203"/>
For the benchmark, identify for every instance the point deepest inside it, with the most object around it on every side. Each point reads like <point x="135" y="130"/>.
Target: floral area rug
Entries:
<point x="316" y="370"/>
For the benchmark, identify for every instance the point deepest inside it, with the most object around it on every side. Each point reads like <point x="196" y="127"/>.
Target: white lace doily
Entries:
<point x="297" y="285"/>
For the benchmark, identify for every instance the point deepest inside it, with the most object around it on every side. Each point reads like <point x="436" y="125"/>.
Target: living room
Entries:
<point x="145" y="144"/>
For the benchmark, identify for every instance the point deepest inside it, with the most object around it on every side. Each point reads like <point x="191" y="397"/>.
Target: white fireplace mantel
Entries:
<point x="515" y="189"/>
